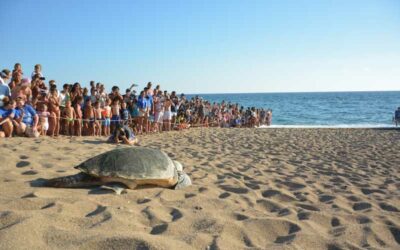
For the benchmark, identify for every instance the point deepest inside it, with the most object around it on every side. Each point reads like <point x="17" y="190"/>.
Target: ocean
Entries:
<point x="325" y="109"/>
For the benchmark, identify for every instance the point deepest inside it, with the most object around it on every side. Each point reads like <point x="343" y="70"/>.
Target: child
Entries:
<point x="44" y="119"/>
<point x="106" y="114"/>
<point x="88" y="116"/>
<point x="115" y="118"/>
<point x="97" y="115"/>
<point x="54" y="108"/>
<point x="125" y="116"/>
<point x="69" y="116"/>
<point x="37" y="71"/>
<point x="78" y="115"/>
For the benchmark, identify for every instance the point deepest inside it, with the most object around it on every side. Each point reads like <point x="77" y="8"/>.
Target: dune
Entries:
<point x="252" y="189"/>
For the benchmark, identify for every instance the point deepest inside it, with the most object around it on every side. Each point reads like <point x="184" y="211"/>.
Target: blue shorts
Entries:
<point x="106" y="122"/>
<point x="115" y="119"/>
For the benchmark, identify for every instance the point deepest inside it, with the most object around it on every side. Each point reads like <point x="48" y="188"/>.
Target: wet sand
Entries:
<point x="252" y="189"/>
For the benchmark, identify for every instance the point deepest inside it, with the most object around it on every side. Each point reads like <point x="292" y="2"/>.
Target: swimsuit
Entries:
<point x="115" y="119"/>
<point x="106" y="122"/>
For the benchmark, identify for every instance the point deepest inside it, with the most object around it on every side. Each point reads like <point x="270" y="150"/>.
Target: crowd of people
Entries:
<point x="30" y="107"/>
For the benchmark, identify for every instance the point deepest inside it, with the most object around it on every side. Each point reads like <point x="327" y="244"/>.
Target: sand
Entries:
<point x="253" y="189"/>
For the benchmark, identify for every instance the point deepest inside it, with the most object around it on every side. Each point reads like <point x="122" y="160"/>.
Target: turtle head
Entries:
<point x="178" y="166"/>
<point x="183" y="178"/>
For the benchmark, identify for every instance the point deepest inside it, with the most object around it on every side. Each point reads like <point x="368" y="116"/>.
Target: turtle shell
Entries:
<point x="130" y="163"/>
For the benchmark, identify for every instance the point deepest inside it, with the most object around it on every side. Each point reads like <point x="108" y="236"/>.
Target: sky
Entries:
<point x="201" y="46"/>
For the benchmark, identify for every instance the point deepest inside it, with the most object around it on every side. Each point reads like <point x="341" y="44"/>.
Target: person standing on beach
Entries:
<point x="69" y="116"/>
<point x="78" y="115"/>
<point x="167" y="113"/>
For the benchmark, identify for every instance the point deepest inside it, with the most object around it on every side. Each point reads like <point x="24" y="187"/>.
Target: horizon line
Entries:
<point x="293" y="92"/>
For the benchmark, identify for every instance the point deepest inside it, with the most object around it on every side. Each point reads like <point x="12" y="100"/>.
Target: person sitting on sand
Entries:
<point x="29" y="119"/>
<point x="124" y="134"/>
<point x="7" y="113"/>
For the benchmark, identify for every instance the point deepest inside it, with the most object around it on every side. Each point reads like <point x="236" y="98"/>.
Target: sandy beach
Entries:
<point x="252" y="189"/>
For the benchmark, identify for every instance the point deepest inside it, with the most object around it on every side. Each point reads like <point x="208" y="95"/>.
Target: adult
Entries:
<point x="28" y="118"/>
<point x="123" y="134"/>
<point x="5" y="75"/>
<point x="143" y="106"/>
<point x="15" y="80"/>
<point x="397" y="116"/>
<point x="7" y="113"/>
<point x="22" y="88"/>
<point x="115" y="95"/>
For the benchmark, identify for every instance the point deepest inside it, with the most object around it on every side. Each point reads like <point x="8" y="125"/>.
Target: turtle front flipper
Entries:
<point x="73" y="181"/>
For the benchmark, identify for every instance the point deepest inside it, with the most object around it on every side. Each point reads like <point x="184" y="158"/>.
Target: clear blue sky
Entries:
<point x="208" y="46"/>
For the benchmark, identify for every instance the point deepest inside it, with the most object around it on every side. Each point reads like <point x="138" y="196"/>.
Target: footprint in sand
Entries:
<point x="30" y="195"/>
<point x="97" y="211"/>
<point x="22" y="164"/>
<point x="176" y="214"/>
<point x="388" y="207"/>
<point x="326" y="198"/>
<point x="333" y="247"/>
<point x="363" y="220"/>
<point x="287" y="239"/>
<point x="159" y="229"/>
<point x="303" y="215"/>
<point x="236" y="190"/>
<point x="367" y="191"/>
<point x="143" y="201"/>
<point x="253" y="186"/>
<point x="335" y="222"/>
<point x="361" y="206"/>
<point x="293" y="185"/>
<point x="308" y="207"/>
<point x="29" y="172"/>
<point x="241" y="217"/>
<point x="395" y="231"/>
<point x="52" y="204"/>
<point x="189" y="195"/>
<point x="202" y="189"/>
<point x="224" y="195"/>
<point x="9" y="219"/>
<point x="269" y="193"/>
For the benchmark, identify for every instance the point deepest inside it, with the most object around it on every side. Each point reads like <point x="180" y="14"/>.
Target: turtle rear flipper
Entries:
<point x="73" y="181"/>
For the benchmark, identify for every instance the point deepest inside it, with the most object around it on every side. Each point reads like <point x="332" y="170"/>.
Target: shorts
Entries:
<point x="45" y="126"/>
<point x="115" y="119"/>
<point x="159" y="117"/>
<point x="167" y="115"/>
<point x="106" y="122"/>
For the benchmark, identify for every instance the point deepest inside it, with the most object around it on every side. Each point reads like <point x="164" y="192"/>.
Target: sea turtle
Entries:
<point x="131" y="166"/>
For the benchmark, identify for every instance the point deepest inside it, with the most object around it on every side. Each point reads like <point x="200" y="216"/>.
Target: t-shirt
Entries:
<point x="4" y="113"/>
<point x="4" y="91"/>
<point x="27" y="112"/>
<point x="142" y="103"/>
<point x="124" y="114"/>
<point x="127" y="132"/>
<point x="397" y="114"/>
